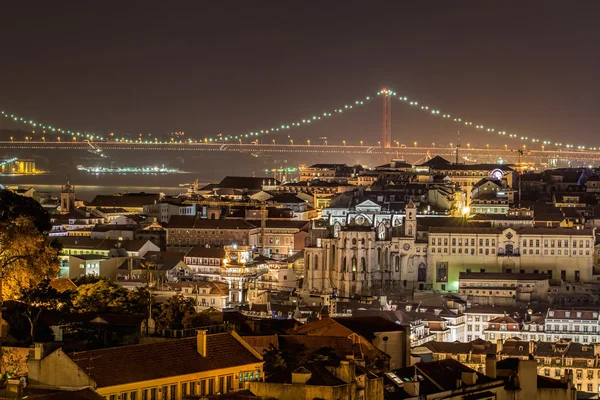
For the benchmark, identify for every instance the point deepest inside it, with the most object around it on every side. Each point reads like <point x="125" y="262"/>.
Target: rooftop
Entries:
<point x="146" y="362"/>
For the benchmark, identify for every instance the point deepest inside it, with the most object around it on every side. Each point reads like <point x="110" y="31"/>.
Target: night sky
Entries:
<point x="206" y="67"/>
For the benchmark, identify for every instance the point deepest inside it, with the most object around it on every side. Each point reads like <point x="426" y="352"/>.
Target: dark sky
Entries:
<point x="232" y="66"/>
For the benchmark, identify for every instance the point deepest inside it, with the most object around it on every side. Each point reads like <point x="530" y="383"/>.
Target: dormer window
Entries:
<point x="551" y="313"/>
<point x="567" y="314"/>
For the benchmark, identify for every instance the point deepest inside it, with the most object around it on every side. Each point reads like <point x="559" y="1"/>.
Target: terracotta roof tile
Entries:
<point x="164" y="359"/>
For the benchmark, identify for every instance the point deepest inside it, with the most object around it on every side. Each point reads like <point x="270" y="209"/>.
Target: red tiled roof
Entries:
<point x="137" y="363"/>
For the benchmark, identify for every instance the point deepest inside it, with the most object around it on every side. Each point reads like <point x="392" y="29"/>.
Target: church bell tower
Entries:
<point x="67" y="198"/>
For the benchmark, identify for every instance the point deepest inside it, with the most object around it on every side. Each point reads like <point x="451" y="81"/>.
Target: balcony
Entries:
<point x="509" y="252"/>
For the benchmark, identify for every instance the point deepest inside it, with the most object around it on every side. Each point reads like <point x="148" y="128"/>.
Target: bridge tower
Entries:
<point x="386" y="132"/>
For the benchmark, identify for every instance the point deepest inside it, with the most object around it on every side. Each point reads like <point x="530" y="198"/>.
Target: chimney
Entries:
<point x="490" y="366"/>
<point x="527" y="372"/>
<point x="346" y="371"/>
<point x="412" y="388"/>
<point x="531" y="347"/>
<point x="301" y="376"/>
<point x="407" y="359"/>
<point x="201" y="341"/>
<point x="499" y="346"/>
<point x="38" y="351"/>
<point x="596" y="349"/>
<point x="469" y="378"/>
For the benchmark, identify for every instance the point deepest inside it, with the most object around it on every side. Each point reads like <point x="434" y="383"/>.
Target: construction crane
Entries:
<point x="224" y="203"/>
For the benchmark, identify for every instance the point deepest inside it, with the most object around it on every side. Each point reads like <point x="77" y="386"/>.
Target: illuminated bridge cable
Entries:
<point x="484" y="128"/>
<point x="47" y="127"/>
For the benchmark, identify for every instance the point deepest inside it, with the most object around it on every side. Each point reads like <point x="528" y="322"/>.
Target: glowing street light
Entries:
<point x="292" y="141"/>
<point x="308" y="141"/>
<point x="273" y="141"/>
<point x="361" y="142"/>
<point x="344" y="142"/>
<point x="415" y="143"/>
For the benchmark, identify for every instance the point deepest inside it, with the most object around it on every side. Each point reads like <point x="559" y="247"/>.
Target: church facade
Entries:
<point x="368" y="251"/>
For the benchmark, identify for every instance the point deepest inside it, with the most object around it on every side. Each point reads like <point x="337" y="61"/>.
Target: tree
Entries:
<point x="12" y="362"/>
<point x="196" y="320"/>
<point x="43" y="298"/>
<point x="27" y="254"/>
<point x="105" y="296"/>
<point x="174" y="311"/>
<point x="275" y="361"/>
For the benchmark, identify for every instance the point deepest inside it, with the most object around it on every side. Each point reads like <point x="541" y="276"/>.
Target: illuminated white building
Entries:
<point x="364" y="250"/>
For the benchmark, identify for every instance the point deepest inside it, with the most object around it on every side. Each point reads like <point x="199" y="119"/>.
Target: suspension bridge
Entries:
<point x="268" y="140"/>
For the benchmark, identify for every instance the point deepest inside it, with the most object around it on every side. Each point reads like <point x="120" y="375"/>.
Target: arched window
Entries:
<point x="379" y="258"/>
<point x="362" y="241"/>
<point x="316" y="262"/>
<point x="354" y="242"/>
<point x="354" y="264"/>
<point x="386" y="258"/>
<point x="344" y="264"/>
<point x="363" y="265"/>
<point x="397" y="264"/>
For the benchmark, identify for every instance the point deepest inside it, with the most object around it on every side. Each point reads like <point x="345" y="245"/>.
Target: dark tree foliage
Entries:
<point x="27" y="254"/>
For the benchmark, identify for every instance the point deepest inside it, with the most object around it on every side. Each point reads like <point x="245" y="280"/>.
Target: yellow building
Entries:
<point x="206" y="364"/>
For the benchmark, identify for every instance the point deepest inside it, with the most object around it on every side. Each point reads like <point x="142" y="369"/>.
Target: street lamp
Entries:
<point x="344" y="142"/>
<point x="273" y="141"/>
<point x="487" y="146"/>
<point x="292" y="141"/>
<point x="468" y="145"/>
<point x="308" y="141"/>
<point x="415" y="143"/>
<point x="397" y="143"/>
<point x="433" y="144"/>
<point x="361" y="142"/>
<point x="240" y="141"/>
<point x="505" y="147"/>
<point x="11" y="138"/>
<point x="326" y="143"/>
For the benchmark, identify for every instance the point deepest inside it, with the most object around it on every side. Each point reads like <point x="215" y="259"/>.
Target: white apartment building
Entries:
<point x="478" y="318"/>
<point x="567" y="253"/>
<point x="502" y="288"/>
<point x="578" y="325"/>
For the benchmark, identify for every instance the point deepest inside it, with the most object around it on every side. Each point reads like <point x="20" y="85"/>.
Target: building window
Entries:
<point x="442" y="272"/>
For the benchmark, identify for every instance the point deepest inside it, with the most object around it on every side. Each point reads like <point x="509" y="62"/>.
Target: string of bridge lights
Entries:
<point x="299" y="123"/>
<point x="461" y="121"/>
<point x="47" y="127"/>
